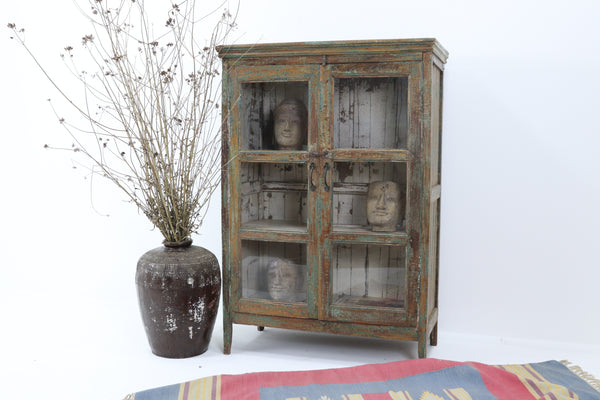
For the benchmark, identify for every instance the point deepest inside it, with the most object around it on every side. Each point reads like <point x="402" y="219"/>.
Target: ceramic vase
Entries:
<point x="179" y="286"/>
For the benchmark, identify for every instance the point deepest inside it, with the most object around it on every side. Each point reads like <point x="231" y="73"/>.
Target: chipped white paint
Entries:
<point x="191" y="329"/>
<point x="191" y="281"/>
<point x="198" y="310"/>
<point x="171" y="323"/>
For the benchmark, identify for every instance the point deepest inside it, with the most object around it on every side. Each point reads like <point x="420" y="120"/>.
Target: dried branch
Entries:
<point x="151" y="108"/>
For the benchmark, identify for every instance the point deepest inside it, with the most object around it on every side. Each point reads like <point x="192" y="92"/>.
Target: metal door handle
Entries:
<point x="312" y="185"/>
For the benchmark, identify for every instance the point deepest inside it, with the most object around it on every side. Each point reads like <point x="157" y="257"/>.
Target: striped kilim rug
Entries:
<point x="427" y="379"/>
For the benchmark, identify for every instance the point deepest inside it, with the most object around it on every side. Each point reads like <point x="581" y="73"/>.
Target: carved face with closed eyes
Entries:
<point x="290" y="124"/>
<point x="283" y="280"/>
<point x="383" y="205"/>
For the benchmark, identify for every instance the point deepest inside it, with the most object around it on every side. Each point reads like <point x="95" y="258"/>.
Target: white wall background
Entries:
<point x="521" y="168"/>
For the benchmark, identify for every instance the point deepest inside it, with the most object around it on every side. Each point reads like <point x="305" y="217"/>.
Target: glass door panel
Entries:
<point x="274" y="196"/>
<point x="274" y="115"/>
<point x="369" y="195"/>
<point x="370" y="113"/>
<point x="274" y="271"/>
<point x="366" y="275"/>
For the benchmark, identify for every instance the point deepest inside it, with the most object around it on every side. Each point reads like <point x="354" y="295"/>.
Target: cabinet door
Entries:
<point x="272" y="131"/>
<point x="371" y="141"/>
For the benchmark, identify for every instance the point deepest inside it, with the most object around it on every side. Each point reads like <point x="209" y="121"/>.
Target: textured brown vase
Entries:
<point x="178" y="287"/>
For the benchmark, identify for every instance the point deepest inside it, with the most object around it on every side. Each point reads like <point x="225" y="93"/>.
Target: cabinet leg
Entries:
<point x="434" y="335"/>
<point x="422" y="347"/>
<point x="227" y="333"/>
<point x="260" y="328"/>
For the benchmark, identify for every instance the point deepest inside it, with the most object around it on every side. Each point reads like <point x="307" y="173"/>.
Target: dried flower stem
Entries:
<point x="151" y="105"/>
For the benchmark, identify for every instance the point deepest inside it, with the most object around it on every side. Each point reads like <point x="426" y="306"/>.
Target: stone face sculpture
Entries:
<point x="383" y="206"/>
<point x="290" y="124"/>
<point x="283" y="280"/>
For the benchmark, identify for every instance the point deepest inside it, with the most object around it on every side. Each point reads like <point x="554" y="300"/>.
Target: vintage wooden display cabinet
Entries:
<point x="301" y="245"/>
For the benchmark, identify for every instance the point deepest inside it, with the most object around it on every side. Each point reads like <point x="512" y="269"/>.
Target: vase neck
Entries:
<point x="180" y="244"/>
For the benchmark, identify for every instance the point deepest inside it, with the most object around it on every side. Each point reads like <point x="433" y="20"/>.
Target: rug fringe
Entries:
<point x="130" y="397"/>
<point x="586" y="376"/>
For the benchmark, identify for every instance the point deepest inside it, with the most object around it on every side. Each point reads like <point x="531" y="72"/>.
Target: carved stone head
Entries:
<point x="283" y="280"/>
<point x="383" y="205"/>
<point x="290" y="124"/>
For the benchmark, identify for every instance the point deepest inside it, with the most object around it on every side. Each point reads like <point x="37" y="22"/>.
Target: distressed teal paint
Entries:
<point x="319" y="64"/>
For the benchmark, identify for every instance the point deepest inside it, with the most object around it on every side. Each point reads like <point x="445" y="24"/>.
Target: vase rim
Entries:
<point x="182" y="243"/>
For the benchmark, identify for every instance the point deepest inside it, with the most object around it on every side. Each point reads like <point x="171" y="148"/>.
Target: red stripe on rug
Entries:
<point x="504" y="385"/>
<point x="377" y="396"/>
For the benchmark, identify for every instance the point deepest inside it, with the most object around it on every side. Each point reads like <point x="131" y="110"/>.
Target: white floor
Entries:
<point x="108" y="360"/>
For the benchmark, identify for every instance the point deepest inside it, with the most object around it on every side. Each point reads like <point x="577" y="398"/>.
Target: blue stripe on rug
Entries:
<point x="462" y="376"/>
<point x="560" y="374"/>
<point x="161" y="393"/>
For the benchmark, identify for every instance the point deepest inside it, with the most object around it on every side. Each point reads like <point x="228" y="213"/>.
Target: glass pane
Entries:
<point x="369" y="196"/>
<point x="274" y="195"/>
<point x="370" y="113"/>
<point x="270" y="107"/>
<point x="274" y="271"/>
<point x="369" y="275"/>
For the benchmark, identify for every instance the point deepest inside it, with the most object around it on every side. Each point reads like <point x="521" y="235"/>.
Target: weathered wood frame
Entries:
<point x="420" y="62"/>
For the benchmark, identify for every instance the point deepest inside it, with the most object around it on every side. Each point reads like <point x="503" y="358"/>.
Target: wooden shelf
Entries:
<point x="364" y="234"/>
<point x="277" y="230"/>
<point x="273" y="156"/>
<point x="370" y="155"/>
<point x="354" y="301"/>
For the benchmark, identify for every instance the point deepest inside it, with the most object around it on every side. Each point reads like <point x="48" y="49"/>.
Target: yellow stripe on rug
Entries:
<point x="537" y="385"/>
<point x="199" y="389"/>
<point x="430" y="396"/>
<point x="458" y="394"/>
<point x="403" y="395"/>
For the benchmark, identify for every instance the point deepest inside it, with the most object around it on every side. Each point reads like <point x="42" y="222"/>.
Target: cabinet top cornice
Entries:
<point x="350" y="47"/>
